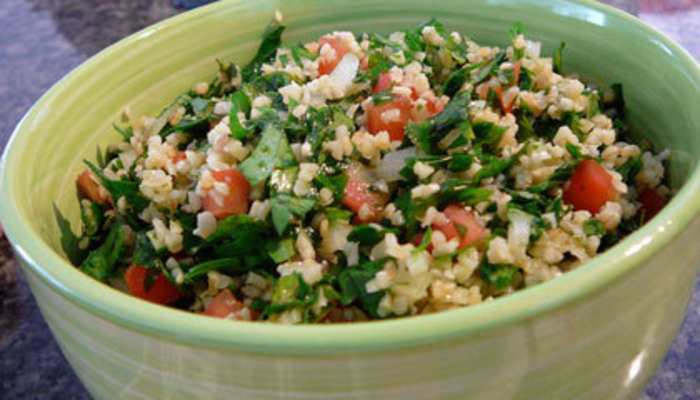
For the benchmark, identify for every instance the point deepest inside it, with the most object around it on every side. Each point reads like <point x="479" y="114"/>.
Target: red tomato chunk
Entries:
<point x="160" y="292"/>
<point x="325" y="67"/>
<point x="223" y="305"/>
<point x="358" y="194"/>
<point x="652" y="202"/>
<point x="590" y="187"/>
<point x="90" y="188"/>
<point x="235" y="202"/>
<point x="461" y="224"/>
<point x="391" y="116"/>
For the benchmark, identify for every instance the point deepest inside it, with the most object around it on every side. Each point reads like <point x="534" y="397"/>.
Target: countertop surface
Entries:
<point x="42" y="40"/>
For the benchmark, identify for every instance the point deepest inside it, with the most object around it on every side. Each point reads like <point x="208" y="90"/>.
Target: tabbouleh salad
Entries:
<point x="361" y="177"/>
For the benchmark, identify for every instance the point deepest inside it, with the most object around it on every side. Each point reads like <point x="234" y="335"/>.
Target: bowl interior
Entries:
<point x="149" y="69"/>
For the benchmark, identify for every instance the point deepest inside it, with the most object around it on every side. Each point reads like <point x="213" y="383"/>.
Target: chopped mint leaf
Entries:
<point x="271" y="40"/>
<point x="100" y="263"/>
<point x="69" y="240"/>
<point x="272" y="151"/>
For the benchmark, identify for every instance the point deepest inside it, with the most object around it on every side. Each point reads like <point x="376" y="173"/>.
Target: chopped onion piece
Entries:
<point x="391" y="165"/>
<point x="346" y="70"/>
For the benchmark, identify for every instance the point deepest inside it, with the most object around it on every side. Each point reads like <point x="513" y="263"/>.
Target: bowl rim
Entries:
<point x="175" y="325"/>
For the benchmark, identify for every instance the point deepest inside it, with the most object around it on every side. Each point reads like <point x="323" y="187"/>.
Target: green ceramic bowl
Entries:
<point x="598" y="332"/>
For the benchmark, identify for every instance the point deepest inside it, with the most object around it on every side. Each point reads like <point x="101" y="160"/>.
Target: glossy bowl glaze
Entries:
<point x="598" y="332"/>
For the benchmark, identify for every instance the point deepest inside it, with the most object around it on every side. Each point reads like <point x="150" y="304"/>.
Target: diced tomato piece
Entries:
<point x="461" y="224"/>
<point x="237" y="199"/>
<point x="434" y="107"/>
<point x="179" y="156"/>
<point x="516" y="72"/>
<point x="507" y="108"/>
<point x="395" y="127"/>
<point x="325" y="67"/>
<point x="652" y="202"/>
<point x="135" y="277"/>
<point x="91" y="189"/>
<point x="383" y="82"/>
<point x="358" y="193"/>
<point x="161" y="292"/>
<point x="223" y="305"/>
<point x="590" y="187"/>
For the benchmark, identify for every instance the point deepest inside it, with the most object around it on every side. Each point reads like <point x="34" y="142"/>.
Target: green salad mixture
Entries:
<point x="364" y="176"/>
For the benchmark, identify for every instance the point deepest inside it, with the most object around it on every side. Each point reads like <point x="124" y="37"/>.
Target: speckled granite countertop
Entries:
<point x="42" y="40"/>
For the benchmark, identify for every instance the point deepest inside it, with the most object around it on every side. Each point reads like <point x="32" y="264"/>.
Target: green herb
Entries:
<point x="499" y="276"/>
<point x="227" y="71"/>
<point x="333" y="213"/>
<point x="272" y="151"/>
<point x="145" y="254"/>
<point x="282" y="180"/>
<point x="515" y="30"/>
<point x="427" y="134"/>
<point x="412" y="209"/>
<point x="69" y="240"/>
<point x="413" y="40"/>
<point x="299" y="52"/>
<point x="340" y="118"/>
<point x="188" y="222"/>
<point x="335" y="183"/>
<point x="538" y="226"/>
<point x="456" y="51"/>
<point x="127" y="133"/>
<point x="237" y="235"/>
<point x="558" y="58"/>
<point x="493" y="166"/>
<point x="239" y="103"/>
<point x="559" y="176"/>
<point x="379" y="40"/>
<point x="593" y="105"/>
<point x="353" y="281"/>
<point x="575" y="151"/>
<point x="291" y="292"/>
<point x="281" y="250"/>
<point x="526" y="129"/>
<point x="230" y="265"/>
<point x="425" y="242"/>
<point x="284" y="207"/>
<point x="92" y="219"/>
<point x="271" y="41"/>
<point x="124" y="188"/>
<point x="377" y="64"/>
<point x="630" y="169"/>
<point x="201" y="107"/>
<point x="439" y="27"/>
<point x="593" y="227"/>
<point x="382" y="97"/>
<point x="199" y="125"/>
<point x="100" y="263"/>
<point x="556" y="207"/>
<point x="457" y="191"/>
<point x="368" y="235"/>
<point x="525" y="80"/>
<point x="488" y="69"/>
<point x="460" y="162"/>
<point x="455" y="81"/>
<point x="487" y="135"/>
